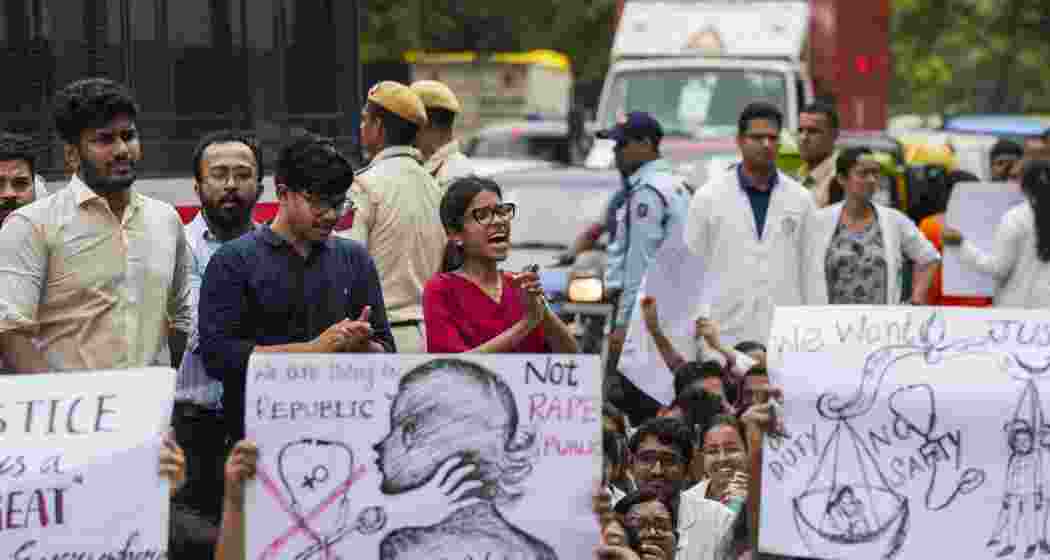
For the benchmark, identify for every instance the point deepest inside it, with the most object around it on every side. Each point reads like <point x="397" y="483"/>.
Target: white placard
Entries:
<point x="913" y="433"/>
<point x="354" y="451"/>
<point x="675" y="278"/>
<point x="79" y="465"/>
<point x="975" y="209"/>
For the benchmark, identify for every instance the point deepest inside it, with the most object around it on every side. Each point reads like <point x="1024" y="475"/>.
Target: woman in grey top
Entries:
<point x="856" y="247"/>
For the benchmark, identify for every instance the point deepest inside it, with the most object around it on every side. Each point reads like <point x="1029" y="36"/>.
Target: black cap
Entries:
<point x="634" y="125"/>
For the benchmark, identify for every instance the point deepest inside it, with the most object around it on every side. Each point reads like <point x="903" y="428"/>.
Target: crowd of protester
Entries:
<point x="97" y="276"/>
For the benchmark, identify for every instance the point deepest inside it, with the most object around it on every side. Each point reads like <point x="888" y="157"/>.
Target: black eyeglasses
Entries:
<point x="487" y="214"/>
<point x="322" y="205"/>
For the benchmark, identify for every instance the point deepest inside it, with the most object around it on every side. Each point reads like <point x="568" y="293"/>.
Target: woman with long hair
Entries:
<point x="472" y="305"/>
<point x="857" y="247"/>
<point x="1020" y="260"/>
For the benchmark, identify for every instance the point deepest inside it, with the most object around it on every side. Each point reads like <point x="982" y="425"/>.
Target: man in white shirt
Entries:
<point x="747" y="226"/>
<point x="444" y="160"/>
<point x="228" y="174"/>
<point x="94" y="276"/>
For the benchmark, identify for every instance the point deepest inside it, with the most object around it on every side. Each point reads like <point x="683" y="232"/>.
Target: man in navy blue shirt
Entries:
<point x="291" y="287"/>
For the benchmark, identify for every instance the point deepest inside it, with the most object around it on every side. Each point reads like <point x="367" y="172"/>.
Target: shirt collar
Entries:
<point x="652" y="166"/>
<point x="273" y="239"/>
<point x="747" y="185"/>
<point x="395" y="151"/>
<point x="441" y="155"/>
<point x="199" y="228"/>
<point x="85" y="194"/>
<point x="822" y="171"/>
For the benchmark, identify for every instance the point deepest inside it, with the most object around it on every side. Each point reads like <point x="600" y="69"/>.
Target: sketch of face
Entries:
<point x="850" y="506"/>
<point x="441" y="412"/>
<point x="1022" y="442"/>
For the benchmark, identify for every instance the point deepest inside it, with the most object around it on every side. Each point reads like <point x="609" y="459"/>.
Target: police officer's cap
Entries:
<point x="634" y="125"/>
<point x="400" y="100"/>
<point x="436" y="95"/>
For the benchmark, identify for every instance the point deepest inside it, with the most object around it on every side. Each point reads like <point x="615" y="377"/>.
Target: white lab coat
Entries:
<point x="899" y="236"/>
<point x="746" y="276"/>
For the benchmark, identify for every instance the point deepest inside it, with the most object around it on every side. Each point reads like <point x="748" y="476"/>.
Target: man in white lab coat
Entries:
<point x="747" y="225"/>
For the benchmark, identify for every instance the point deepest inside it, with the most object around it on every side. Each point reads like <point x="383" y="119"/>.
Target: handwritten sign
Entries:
<point x="975" y="209"/>
<point x="415" y="456"/>
<point x="905" y="423"/>
<point x="79" y="464"/>
<point x="676" y="279"/>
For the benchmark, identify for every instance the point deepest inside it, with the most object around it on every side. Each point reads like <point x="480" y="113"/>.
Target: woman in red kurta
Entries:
<point x="473" y="306"/>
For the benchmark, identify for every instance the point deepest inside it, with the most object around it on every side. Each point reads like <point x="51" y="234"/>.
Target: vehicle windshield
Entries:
<point x="517" y="146"/>
<point x="693" y="103"/>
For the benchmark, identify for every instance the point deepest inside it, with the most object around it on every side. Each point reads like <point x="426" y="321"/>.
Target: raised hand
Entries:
<point x="360" y="331"/>
<point x="240" y="468"/>
<point x="650" y="314"/>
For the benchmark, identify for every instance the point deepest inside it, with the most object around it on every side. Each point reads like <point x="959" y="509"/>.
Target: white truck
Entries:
<point x="694" y="65"/>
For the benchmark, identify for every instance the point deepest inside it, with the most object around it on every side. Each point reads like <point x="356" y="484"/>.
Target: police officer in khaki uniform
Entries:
<point x="397" y="208"/>
<point x="444" y="160"/>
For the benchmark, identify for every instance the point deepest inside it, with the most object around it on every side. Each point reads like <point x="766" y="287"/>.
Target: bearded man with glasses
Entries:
<point x="291" y="287"/>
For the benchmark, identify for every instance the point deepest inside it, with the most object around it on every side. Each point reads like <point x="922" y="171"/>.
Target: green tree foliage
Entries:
<point x="971" y="55"/>
<point x="582" y="29"/>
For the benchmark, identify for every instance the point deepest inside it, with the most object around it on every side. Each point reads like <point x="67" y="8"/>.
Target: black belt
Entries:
<point x="405" y="323"/>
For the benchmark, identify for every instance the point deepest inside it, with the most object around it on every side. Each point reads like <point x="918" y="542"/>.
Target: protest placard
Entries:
<point x="912" y="433"/>
<point x="415" y="456"/>
<point x="79" y="466"/>
<point x="975" y="209"/>
<point x="676" y="280"/>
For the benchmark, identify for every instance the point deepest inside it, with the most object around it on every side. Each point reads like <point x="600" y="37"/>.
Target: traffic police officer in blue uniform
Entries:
<point x="655" y="201"/>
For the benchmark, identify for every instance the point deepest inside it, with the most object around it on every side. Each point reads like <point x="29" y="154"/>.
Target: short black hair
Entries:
<point x="18" y="147"/>
<point x="760" y="110"/>
<point x="312" y="163"/>
<point x="691" y="372"/>
<point x="638" y="497"/>
<point x="849" y="157"/>
<point x="396" y="130"/>
<point x="441" y="118"/>
<point x="91" y="103"/>
<point x="668" y="431"/>
<point x="224" y="137"/>
<point x="826" y="109"/>
<point x="1006" y="147"/>
<point x="1046" y="135"/>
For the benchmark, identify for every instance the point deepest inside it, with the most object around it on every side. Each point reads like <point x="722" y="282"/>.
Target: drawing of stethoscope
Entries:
<point x="340" y="457"/>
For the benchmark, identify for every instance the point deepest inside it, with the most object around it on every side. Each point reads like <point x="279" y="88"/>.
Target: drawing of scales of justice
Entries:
<point x="848" y="507"/>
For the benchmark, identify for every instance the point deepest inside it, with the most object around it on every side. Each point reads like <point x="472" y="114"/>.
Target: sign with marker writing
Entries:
<point x="401" y="456"/>
<point x="79" y="464"/>
<point x="903" y="422"/>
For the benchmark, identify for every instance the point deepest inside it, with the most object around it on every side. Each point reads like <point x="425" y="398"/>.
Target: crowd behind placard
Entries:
<point x="97" y="276"/>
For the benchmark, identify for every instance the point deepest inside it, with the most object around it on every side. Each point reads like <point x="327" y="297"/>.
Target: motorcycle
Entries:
<point x="575" y="289"/>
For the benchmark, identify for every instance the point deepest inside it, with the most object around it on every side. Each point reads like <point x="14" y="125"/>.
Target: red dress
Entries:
<point x="459" y="316"/>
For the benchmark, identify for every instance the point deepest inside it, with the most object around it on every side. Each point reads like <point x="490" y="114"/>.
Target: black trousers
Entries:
<point x="202" y="434"/>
